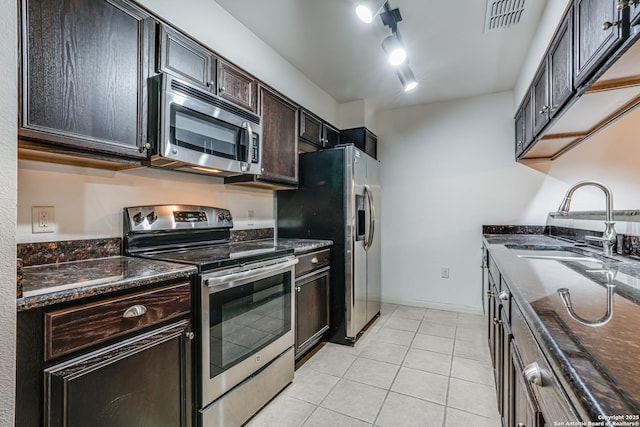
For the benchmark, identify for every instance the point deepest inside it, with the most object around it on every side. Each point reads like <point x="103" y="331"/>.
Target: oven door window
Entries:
<point x="247" y="318"/>
<point x="205" y="134"/>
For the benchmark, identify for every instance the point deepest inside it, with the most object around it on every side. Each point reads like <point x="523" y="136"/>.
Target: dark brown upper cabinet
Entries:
<point x="330" y="135"/>
<point x="311" y="128"/>
<point x="540" y="97"/>
<point x="523" y="122"/>
<point x="317" y="132"/>
<point x="599" y="29"/>
<point x="560" y="65"/>
<point x="84" y="70"/>
<point x="279" y="144"/>
<point x="182" y="57"/>
<point x="591" y="77"/>
<point x="237" y="86"/>
<point x="553" y="83"/>
<point x="362" y="138"/>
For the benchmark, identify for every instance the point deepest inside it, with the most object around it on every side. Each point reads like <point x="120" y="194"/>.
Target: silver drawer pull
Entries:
<point x="533" y="374"/>
<point x="134" y="311"/>
<point x="504" y="296"/>
<point x="314" y="260"/>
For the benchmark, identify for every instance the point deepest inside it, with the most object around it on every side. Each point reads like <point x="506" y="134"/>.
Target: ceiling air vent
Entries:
<point x="503" y="14"/>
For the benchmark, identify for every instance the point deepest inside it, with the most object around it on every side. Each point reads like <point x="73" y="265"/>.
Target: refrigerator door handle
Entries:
<point x="372" y="217"/>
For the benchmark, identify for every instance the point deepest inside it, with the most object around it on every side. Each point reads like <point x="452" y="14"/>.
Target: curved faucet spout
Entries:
<point x="609" y="237"/>
<point x="565" y="296"/>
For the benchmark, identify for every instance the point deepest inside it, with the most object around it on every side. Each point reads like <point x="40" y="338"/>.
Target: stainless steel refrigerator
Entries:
<point x="338" y="199"/>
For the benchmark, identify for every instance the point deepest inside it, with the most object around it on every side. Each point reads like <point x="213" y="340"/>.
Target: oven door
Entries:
<point x="246" y="321"/>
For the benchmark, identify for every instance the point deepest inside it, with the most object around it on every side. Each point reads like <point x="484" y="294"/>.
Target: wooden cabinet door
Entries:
<point x="330" y="136"/>
<point x="526" y="410"/>
<point x="635" y="13"/>
<point x="519" y="131"/>
<point x="182" y="57"/>
<point x="236" y="86"/>
<point x="312" y="309"/>
<point x="540" y="98"/>
<point x="279" y="139"/>
<point x="85" y="65"/>
<point x="310" y="128"/>
<point x="598" y="32"/>
<point x="143" y="381"/>
<point x="560" y="65"/>
<point x="524" y="125"/>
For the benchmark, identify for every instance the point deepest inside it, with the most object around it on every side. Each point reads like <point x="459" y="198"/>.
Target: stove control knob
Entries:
<point x="152" y="217"/>
<point x="138" y="218"/>
<point x="227" y="216"/>
<point x="221" y="217"/>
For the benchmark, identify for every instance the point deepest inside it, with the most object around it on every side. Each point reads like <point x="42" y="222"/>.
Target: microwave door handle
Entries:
<point x="248" y="134"/>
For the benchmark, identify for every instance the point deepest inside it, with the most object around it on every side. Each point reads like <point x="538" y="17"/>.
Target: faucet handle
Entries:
<point x="597" y="238"/>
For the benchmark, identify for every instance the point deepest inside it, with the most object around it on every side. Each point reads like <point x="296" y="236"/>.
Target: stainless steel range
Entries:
<point x="244" y="305"/>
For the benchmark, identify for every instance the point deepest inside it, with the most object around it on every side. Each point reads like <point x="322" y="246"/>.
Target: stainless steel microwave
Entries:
<point x="194" y="130"/>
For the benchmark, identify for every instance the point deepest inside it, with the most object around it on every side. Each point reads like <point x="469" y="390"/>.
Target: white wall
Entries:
<point x="88" y="202"/>
<point x="8" y="137"/>
<point x="208" y="22"/>
<point x="448" y="168"/>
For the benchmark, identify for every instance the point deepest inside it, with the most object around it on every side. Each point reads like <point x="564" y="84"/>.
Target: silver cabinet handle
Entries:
<point x="134" y="311"/>
<point x="221" y="90"/>
<point x="497" y="321"/>
<point x="544" y="109"/>
<point x="533" y="374"/>
<point x="298" y="288"/>
<point x="190" y="335"/>
<point x="314" y="260"/>
<point x="504" y="296"/>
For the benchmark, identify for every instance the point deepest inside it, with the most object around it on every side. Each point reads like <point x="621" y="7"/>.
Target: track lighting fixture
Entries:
<point x="407" y="78"/>
<point x="367" y="10"/>
<point x="392" y="45"/>
<point x="394" y="49"/>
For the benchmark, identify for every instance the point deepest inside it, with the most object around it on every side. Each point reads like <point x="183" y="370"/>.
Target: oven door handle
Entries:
<point x="248" y="274"/>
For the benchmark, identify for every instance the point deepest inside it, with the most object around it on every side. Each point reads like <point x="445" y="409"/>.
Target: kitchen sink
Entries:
<point x="557" y="253"/>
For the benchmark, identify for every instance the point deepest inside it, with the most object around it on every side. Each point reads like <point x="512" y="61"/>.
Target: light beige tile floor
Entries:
<point x="413" y="367"/>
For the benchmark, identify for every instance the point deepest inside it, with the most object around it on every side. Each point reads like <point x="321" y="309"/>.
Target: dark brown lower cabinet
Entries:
<point x="139" y="382"/>
<point x="312" y="309"/>
<point x="525" y="408"/>
<point x="312" y="299"/>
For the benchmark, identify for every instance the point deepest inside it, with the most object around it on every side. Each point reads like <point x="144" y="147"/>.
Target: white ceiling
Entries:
<point x="451" y="55"/>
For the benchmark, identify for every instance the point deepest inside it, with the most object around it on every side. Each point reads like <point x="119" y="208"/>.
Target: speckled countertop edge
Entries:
<point x="587" y="405"/>
<point x="300" y="246"/>
<point x="138" y="272"/>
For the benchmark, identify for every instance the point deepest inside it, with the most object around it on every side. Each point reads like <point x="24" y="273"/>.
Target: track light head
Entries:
<point x="408" y="80"/>
<point x="367" y="10"/>
<point x="394" y="49"/>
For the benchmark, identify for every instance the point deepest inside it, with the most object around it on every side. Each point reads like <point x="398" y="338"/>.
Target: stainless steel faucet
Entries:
<point x="609" y="237"/>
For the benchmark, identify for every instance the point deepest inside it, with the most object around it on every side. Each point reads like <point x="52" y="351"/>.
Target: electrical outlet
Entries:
<point x="444" y="272"/>
<point x="250" y="215"/>
<point x="42" y="219"/>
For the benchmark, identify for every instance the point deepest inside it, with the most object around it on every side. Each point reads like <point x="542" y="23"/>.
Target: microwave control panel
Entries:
<point x="255" y="148"/>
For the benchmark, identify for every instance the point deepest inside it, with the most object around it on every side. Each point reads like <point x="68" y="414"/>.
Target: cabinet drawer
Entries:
<point x="550" y="395"/>
<point x="312" y="261"/>
<point x="74" y="328"/>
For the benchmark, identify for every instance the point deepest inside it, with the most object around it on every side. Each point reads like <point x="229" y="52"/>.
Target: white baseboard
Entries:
<point x="434" y="305"/>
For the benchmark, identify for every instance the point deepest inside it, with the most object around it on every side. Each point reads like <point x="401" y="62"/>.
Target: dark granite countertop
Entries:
<point x="598" y="366"/>
<point x="68" y="281"/>
<point x="300" y="246"/>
